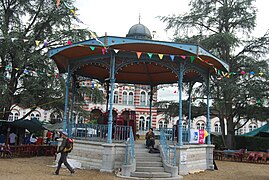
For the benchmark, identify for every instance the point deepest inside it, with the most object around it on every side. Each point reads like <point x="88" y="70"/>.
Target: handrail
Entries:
<point x="167" y="149"/>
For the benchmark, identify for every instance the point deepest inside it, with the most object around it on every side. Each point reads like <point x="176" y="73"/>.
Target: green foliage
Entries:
<point x="22" y="22"/>
<point x="223" y="27"/>
<point x="252" y="143"/>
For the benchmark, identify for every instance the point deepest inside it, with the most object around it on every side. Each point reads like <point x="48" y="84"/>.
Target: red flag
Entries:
<point x="69" y="42"/>
<point x="58" y="3"/>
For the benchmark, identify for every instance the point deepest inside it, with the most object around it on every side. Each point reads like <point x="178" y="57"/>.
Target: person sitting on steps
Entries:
<point x="150" y="139"/>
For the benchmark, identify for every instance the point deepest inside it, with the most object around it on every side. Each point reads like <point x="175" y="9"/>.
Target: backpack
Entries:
<point x="69" y="145"/>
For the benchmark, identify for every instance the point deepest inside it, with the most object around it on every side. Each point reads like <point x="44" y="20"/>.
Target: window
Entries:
<point x="184" y="126"/>
<point x="148" y="101"/>
<point x="116" y="97"/>
<point x="131" y="98"/>
<point x="124" y="97"/>
<point x="147" y="123"/>
<point x="217" y="127"/>
<point x="16" y="117"/>
<point x="200" y="125"/>
<point x="252" y="127"/>
<point x="10" y="117"/>
<point x="165" y="124"/>
<point x="141" y="123"/>
<point x="37" y="116"/>
<point x="32" y="116"/>
<point x="143" y="98"/>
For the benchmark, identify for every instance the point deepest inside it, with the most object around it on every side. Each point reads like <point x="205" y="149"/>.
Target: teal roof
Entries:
<point x="256" y="132"/>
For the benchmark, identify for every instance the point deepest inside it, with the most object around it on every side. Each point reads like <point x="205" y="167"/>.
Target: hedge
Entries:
<point x="244" y="142"/>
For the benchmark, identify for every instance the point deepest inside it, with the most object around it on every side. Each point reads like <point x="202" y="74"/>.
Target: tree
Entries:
<point x="223" y="27"/>
<point x="27" y="76"/>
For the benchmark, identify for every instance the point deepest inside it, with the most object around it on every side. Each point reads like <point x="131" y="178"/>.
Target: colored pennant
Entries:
<point x="103" y="50"/>
<point x="138" y="54"/>
<point x="251" y="72"/>
<point x="243" y="72"/>
<point x="37" y="43"/>
<point x="192" y="59"/>
<point x="172" y="57"/>
<point x="183" y="57"/>
<point x="46" y="43"/>
<point x="69" y="42"/>
<point x="116" y="51"/>
<point x="160" y="56"/>
<point x="58" y="3"/>
<point x="92" y="48"/>
<point x="150" y="55"/>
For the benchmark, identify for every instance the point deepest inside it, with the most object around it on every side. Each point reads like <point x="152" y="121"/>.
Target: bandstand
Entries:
<point x="137" y="59"/>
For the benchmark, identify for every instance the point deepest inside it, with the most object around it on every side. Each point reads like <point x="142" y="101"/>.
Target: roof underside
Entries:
<point x="157" y="64"/>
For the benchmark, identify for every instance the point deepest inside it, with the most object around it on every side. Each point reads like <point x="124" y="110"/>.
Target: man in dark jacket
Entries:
<point x="62" y="150"/>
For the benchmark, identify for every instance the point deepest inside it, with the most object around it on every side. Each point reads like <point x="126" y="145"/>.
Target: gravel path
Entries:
<point x="39" y="168"/>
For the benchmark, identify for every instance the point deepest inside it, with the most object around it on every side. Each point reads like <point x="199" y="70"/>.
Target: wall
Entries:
<point x="90" y="154"/>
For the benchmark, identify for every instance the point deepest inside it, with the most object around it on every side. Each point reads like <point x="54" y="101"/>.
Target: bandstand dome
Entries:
<point x="139" y="31"/>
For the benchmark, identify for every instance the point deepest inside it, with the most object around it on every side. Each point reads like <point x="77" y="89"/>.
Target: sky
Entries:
<point x="116" y="18"/>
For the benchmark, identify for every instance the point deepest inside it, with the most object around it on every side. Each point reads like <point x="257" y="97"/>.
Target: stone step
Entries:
<point x="149" y="169"/>
<point x="148" y="159"/>
<point x="150" y="174"/>
<point x="138" y="154"/>
<point x="149" y="164"/>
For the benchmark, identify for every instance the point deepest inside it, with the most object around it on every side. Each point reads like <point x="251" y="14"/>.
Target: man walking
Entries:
<point x="64" y="150"/>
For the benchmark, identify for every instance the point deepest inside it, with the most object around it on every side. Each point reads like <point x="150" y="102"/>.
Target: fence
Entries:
<point x="99" y="132"/>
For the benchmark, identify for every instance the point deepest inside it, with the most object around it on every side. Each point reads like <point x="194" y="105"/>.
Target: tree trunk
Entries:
<point x="230" y="140"/>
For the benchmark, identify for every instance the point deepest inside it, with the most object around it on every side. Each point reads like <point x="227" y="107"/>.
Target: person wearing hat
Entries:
<point x="64" y="154"/>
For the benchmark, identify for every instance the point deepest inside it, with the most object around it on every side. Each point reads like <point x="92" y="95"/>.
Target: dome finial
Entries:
<point x="139" y="17"/>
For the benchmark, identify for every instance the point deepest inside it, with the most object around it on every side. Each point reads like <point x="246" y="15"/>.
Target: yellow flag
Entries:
<point x="37" y="43"/>
<point x="160" y="56"/>
<point x="205" y="133"/>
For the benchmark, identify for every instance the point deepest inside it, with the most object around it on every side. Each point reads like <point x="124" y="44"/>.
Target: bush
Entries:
<point x="252" y="143"/>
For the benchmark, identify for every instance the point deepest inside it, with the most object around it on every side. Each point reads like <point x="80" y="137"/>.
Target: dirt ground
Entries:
<point x="39" y="168"/>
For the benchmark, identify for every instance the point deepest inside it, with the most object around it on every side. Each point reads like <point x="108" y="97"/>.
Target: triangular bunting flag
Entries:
<point x="46" y="43"/>
<point x="243" y="72"/>
<point x="175" y="91"/>
<point x="116" y="51"/>
<point x="160" y="56"/>
<point x="69" y="42"/>
<point x="219" y="72"/>
<point x="37" y="43"/>
<point x="58" y="3"/>
<point x="183" y="57"/>
<point x="172" y="57"/>
<point x="251" y="72"/>
<point x="92" y="48"/>
<point x="25" y="40"/>
<point x="192" y="59"/>
<point x="103" y="50"/>
<point x="261" y="73"/>
<point x="150" y="55"/>
<point x="138" y="54"/>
